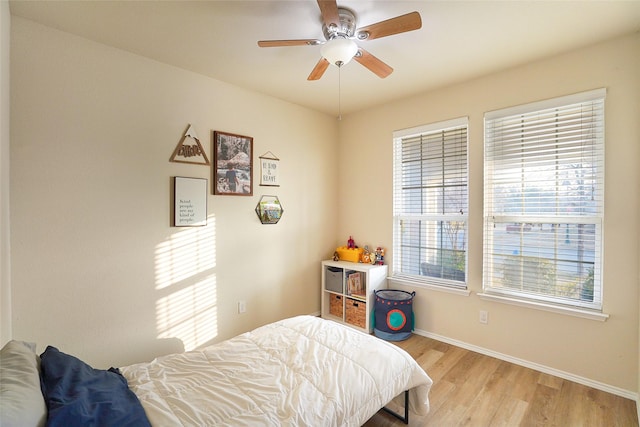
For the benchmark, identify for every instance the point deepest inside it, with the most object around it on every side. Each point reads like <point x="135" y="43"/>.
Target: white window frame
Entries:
<point x="398" y="275"/>
<point x="594" y="220"/>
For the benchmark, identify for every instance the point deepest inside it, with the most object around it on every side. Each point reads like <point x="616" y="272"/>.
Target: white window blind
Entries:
<point x="430" y="204"/>
<point x="544" y="201"/>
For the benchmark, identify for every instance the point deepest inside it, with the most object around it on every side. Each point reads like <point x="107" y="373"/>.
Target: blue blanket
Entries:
<point x="78" y="395"/>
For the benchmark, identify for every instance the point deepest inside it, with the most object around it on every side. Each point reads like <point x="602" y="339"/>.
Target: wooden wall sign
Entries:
<point x="189" y="149"/>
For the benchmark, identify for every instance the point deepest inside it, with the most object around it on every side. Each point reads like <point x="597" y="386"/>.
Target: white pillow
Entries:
<point x="21" y="400"/>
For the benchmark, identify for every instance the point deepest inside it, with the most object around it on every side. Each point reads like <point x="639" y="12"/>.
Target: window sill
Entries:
<point x="439" y="288"/>
<point x="576" y="312"/>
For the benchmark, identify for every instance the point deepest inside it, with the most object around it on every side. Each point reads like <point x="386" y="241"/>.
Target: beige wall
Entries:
<point x="97" y="270"/>
<point x="602" y="352"/>
<point x="5" y="277"/>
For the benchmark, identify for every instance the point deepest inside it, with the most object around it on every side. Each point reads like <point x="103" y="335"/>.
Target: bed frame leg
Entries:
<point x="404" y="419"/>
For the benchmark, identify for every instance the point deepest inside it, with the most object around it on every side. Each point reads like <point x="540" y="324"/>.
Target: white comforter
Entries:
<point x="302" y="371"/>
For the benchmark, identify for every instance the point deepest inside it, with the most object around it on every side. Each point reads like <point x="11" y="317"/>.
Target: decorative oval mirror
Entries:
<point x="269" y="209"/>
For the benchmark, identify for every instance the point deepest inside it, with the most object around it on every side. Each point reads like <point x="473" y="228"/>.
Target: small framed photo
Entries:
<point x="233" y="164"/>
<point x="269" y="210"/>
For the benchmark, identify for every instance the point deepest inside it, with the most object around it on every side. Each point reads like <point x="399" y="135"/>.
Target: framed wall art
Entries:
<point x="269" y="210"/>
<point x="233" y="164"/>
<point x="269" y="170"/>
<point x="189" y="202"/>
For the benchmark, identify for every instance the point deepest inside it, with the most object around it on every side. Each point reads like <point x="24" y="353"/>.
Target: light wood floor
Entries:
<point x="477" y="390"/>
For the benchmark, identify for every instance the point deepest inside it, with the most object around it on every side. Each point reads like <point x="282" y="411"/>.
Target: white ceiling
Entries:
<point x="459" y="40"/>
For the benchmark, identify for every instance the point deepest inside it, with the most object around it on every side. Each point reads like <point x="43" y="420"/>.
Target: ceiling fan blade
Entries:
<point x="280" y="43"/>
<point x="319" y="69"/>
<point x="399" y="24"/>
<point x="375" y="65"/>
<point x="329" y="11"/>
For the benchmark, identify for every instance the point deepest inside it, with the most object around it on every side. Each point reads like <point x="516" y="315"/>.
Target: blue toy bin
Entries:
<point x="393" y="314"/>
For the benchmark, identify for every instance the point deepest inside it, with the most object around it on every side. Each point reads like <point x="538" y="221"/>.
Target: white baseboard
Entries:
<point x="535" y="366"/>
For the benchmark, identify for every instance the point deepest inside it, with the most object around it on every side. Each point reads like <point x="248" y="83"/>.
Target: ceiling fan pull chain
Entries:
<point x="339" y="93"/>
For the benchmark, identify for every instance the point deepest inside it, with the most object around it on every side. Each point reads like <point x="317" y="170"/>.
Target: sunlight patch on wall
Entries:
<point x="190" y="314"/>
<point x="185" y="254"/>
<point x="187" y="308"/>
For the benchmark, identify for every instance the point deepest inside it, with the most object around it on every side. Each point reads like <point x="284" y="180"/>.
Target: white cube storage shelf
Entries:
<point x="348" y="292"/>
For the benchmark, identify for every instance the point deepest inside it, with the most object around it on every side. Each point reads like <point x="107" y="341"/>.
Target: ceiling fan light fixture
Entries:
<point x="339" y="50"/>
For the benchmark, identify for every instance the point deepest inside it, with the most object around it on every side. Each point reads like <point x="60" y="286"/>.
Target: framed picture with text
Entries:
<point x="269" y="171"/>
<point x="189" y="202"/>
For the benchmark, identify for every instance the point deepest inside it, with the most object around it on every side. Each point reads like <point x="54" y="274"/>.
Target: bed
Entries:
<point x="302" y="371"/>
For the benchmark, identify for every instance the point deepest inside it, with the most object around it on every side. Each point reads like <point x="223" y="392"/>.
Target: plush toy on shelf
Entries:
<point x="366" y="255"/>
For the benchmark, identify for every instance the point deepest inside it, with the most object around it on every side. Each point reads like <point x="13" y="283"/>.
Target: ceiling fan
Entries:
<point x="340" y="30"/>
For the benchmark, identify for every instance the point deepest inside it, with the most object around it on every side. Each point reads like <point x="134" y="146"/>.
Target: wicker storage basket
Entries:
<point x="356" y="312"/>
<point x="335" y="305"/>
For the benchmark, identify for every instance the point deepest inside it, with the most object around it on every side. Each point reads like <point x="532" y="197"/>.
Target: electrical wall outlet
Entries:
<point x="484" y="316"/>
<point x="242" y="307"/>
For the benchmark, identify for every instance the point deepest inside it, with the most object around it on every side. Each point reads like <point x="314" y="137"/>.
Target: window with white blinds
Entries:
<point x="430" y="204"/>
<point x="544" y="201"/>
